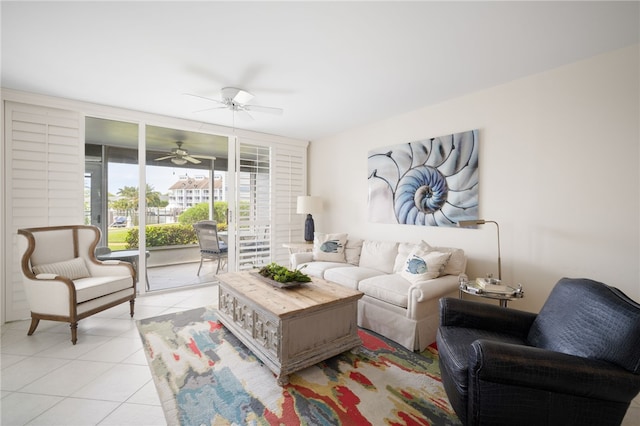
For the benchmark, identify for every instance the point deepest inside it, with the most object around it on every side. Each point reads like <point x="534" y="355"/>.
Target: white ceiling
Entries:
<point x="332" y="66"/>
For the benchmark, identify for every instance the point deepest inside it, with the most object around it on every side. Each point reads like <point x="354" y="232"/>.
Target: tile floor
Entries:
<point x="176" y="276"/>
<point x="103" y="379"/>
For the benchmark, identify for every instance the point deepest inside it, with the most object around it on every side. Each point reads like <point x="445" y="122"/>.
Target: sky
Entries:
<point x="160" y="178"/>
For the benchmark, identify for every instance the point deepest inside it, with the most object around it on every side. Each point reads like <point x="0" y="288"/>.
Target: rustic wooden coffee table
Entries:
<point x="289" y="328"/>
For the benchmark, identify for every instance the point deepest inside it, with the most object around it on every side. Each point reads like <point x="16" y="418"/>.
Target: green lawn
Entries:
<point x="117" y="238"/>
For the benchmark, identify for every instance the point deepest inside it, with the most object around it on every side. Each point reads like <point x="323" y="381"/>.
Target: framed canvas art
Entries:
<point x="432" y="182"/>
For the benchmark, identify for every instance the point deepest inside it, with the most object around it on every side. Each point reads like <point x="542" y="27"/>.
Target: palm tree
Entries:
<point x="129" y="196"/>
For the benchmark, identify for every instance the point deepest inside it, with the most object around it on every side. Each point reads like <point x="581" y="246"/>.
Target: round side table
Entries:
<point x="502" y="293"/>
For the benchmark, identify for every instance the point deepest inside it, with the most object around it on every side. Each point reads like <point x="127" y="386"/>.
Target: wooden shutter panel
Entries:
<point x="289" y="181"/>
<point x="44" y="182"/>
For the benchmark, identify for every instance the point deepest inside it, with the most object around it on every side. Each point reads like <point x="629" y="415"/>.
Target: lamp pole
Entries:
<point x="469" y="223"/>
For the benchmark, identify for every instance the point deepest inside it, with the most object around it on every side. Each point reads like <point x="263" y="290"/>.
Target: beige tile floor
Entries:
<point x="176" y="276"/>
<point x="103" y="379"/>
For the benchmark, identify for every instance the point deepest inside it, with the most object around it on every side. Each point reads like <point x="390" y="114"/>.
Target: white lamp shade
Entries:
<point x="308" y="204"/>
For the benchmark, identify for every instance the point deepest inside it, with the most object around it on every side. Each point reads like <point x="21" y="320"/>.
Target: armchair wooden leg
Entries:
<point x="74" y="332"/>
<point x="34" y="325"/>
<point x="132" y="302"/>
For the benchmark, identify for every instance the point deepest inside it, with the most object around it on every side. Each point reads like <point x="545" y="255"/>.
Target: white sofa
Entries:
<point x="403" y="310"/>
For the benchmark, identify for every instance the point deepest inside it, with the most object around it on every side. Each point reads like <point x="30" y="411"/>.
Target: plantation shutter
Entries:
<point x="270" y="176"/>
<point x="254" y="206"/>
<point x="43" y="184"/>
<point x="290" y="181"/>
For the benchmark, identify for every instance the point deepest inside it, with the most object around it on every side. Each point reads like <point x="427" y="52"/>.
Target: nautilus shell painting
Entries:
<point x="431" y="182"/>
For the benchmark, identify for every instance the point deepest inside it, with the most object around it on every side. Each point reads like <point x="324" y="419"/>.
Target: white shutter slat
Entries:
<point x="28" y="127"/>
<point x="29" y="137"/>
<point x="20" y="174"/>
<point x="28" y="202"/>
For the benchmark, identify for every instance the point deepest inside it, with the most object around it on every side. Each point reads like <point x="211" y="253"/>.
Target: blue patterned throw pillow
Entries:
<point x="423" y="264"/>
<point x="329" y="247"/>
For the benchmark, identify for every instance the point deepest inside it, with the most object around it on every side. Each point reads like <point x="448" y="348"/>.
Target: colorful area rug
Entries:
<point x="205" y="376"/>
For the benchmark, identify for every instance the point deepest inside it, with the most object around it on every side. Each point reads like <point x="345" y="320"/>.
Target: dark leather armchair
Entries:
<point x="577" y="362"/>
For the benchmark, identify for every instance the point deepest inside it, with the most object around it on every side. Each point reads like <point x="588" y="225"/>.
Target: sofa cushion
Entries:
<point x="423" y="264"/>
<point x="329" y="247"/>
<point x="317" y="269"/>
<point x="353" y="250"/>
<point x="93" y="287"/>
<point x="390" y="288"/>
<point x="456" y="264"/>
<point x="350" y="276"/>
<point x="379" y="255"/>
<point x="72" y="269"/>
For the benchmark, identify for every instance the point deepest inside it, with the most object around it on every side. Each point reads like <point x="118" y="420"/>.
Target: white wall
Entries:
<point x="559" y="171"/>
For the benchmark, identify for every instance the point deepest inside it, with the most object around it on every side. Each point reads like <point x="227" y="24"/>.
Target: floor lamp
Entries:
<point x="471" y="223"/>
<point x="307" y="204"/>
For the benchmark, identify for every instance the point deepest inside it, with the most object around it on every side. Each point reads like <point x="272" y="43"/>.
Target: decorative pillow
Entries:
<point x="72" y="269"/>
<point x="404" y="249"/>
<point x="329" y="247"/>
<point x="457" y="262"/>
<point x="352" y="251"/>
<point x="423" y="265"/>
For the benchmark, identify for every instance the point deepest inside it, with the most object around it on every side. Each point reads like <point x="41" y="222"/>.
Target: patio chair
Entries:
<point x="63" y="279"/>
<point x="211" y="247"/>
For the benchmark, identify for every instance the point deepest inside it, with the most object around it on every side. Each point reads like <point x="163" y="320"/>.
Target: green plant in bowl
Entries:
<point x="283" y="275"/>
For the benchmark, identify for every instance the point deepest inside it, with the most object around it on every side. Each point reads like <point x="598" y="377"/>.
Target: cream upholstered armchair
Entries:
<point x="64" y="281"/>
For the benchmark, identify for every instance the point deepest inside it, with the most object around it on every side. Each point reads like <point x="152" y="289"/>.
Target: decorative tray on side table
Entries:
<point x="491" y="290"/>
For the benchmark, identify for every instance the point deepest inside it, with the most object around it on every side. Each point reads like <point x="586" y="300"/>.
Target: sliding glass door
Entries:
<point x="185" y="182"/>
<point x="184" y="174"/>
<point x="111" y="179"/>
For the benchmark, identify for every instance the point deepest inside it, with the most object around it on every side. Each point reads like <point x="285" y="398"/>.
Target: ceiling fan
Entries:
<point x="180" y="156"/>
<point x="236" y="100"/>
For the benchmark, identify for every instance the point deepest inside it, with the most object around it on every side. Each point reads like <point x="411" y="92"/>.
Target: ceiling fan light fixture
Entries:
<point x="236" y="95"/>
<point x="179" y="161"/>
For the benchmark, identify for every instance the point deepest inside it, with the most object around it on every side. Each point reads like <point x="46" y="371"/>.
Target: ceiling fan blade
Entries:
<point x="204" y="157"/>
<point x="204" y="97"/>
<point x="191" y="159"/>
<point x="165" y="158"/>
<point x="268" y="110"/>
<point x="210" y="109"/>
<point x="242" y="97"/>
<point x="244" y="115"/>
